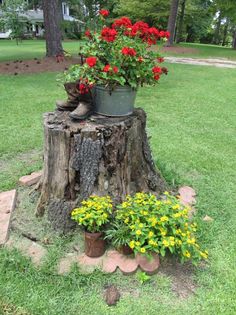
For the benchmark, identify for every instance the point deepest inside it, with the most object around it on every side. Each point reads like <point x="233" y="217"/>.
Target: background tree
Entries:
<point x="179" y="36"/>
<point x="52" y="22"/>
<point x="172" y="21"/>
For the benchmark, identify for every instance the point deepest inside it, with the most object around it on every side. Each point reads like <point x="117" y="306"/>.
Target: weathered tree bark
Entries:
<point x="52" y="21"/>
<point x="172" y="21"/>
<point x="234" y="40"/>
<point x="179" y="36"/>
<point x="100" y="156"/>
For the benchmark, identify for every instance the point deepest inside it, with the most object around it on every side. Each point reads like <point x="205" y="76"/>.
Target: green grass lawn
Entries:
<point x="29" y="49"/>
<point x="205" y="51"/>
<point x="191" y="118"/>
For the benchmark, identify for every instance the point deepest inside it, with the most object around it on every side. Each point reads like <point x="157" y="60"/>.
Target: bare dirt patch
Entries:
<point x="48" y="64"/>
<point x="180" y="50"/>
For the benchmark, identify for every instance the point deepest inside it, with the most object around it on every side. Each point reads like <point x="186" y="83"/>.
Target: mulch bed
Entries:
<point x="36" y="65"/>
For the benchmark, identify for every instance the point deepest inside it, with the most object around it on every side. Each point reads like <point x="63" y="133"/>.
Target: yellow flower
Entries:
<point x="137" y="243"/>
<point x="150" y="234"/>
<point x="176" y="207"/>
<point x="131" y="244"/>
<point x="179" y="242"/>
<point x="166" y="193"/>
<point x="138" y="232"/>
<point x="142" y="250"/>
<point x="191" y="240"/>
<point x="204" y="254"/>
<point x="126" y="220"/>
<point x="165" y="243"/>
<point x="187" y="254"/>
<point x="177" y="215"/>
<point x="131" y="212"/>
<point x="164" y="218"/>
<point x="141" y="225"/>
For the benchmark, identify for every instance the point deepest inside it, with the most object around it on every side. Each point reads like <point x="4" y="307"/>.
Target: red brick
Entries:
<point x="187" y="195"/>
<point x="150" y="264"/>
<point x="7" y="205"/>
<point x="31" y="179"/>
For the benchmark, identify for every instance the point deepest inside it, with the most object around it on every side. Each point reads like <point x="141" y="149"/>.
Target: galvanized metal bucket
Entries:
<point x="114" y="103"/>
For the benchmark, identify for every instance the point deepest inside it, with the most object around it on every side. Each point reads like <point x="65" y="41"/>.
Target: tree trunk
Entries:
<point x="179" y="36"/>
<point x="172" y="21"/>
<point x="103" y="156"/>
<point x="52" y="20"/>
<point x="216" y="39"/>
<point x="224" y="41"/>
<point x="234" y="40"/>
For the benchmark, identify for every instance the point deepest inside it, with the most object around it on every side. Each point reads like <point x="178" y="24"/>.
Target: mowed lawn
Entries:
<point x="29" y="49"/>
<point x="191" y="121"/>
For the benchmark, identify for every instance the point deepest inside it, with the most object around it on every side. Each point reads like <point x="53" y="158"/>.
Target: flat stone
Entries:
<point x="7" y="205"/>
<point x="150" y="264"/>
<point x="207" y="219"/>
<point x="89" y="264"/>
<point x="32" y="179"/>
<point x="28" y="248"/>
<point x="66" y="263"/>
<point x="187" y="196"/>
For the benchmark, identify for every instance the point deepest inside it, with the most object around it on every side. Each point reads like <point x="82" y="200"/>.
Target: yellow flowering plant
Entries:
<point x="160" y="226"/>
<point x="94" y="213"/>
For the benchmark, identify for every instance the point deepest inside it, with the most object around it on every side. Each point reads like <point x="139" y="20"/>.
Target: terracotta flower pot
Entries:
<point x="125" y="250"/>
<point x="94" y="244"/>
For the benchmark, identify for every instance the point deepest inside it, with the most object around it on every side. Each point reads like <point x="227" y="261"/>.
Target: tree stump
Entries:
<point x="102" y="156"/>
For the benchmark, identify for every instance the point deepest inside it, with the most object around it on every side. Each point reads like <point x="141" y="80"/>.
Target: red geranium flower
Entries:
<point x="156" y="77"/>
<point x="122" y="22"/>
<point x="164" y="70"/>
<point x="115" y="69"/>
<point x="83" y="89"/>
<point x="106" y="68"/>
<point x="156" y="70"/>
<point x="128" y="51"/>
<point x="88" y="34"/>
<point x="164" y="34"/>
<point x="91" y="61"/>
<point x="108" y="34"/>
<point x="160" y="59"/>
<point x="153" y="31"/>
<point x="104" y="13"/>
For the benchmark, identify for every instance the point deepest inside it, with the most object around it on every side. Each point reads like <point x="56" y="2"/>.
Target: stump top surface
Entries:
<point x="61" y="120"/>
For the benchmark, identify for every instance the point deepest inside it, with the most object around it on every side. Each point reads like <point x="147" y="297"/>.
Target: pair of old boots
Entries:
<point x="80" y="105"/>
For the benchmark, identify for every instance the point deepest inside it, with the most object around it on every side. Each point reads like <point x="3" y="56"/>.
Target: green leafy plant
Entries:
<point x="93" y="213"/>
<point x="118" y="233"/>
<point x="119" y="54"/>
<point x="160" y="226"/>
<point x="143" y="277"/>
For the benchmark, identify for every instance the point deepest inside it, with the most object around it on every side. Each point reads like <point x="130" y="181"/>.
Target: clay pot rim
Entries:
<point x="93" y="233"/>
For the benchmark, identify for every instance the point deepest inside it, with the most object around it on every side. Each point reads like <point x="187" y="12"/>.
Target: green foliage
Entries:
<point x="154" y="12"/>
<point x="12" y="19"/>
<point x="160" y="226"/>
<point x="143" y="277"/>
<point x="118" y="234"/>
<point x="93" y="213"/>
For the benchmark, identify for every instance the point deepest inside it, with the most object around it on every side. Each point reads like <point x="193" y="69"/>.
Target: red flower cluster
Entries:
<point x="109" y="34"/>
<point x="91" y="61"/>
<point x="88" y="34"/>
<point x="160" y="59"/>
<point x="104" y="13"/>
<point x="157" y="70"/>
<point x="83" y="88"/>
<point x="128" y="51"/>
<point x="122" y="22"/>
<point x="164" y="34"/>
<point x="108" y="68"/>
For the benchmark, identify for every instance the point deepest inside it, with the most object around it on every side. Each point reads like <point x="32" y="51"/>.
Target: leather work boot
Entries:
<point x="83" y="110"/>
<point x="72" y="101"/>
